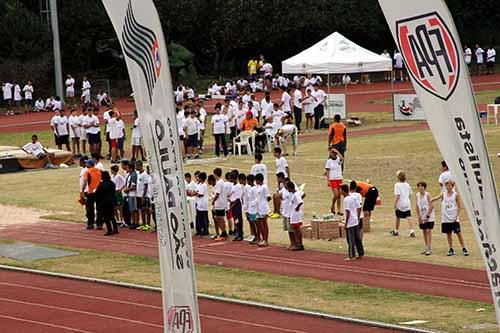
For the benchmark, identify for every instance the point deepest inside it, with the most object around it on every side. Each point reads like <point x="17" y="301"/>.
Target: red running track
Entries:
<point x="32" y="303"/>
<point x="429" y="279"/>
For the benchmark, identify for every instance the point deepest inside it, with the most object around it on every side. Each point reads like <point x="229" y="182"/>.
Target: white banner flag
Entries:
<point x="138" y="28"/>
<point x="428" y="40"/>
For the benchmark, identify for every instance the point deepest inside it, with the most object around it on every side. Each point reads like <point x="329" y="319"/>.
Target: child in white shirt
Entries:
<point x="259" y="167"/>
<point x="235" y="206"/>
<point x="425" y="215"/>
<point x="252" y="209"/>
<point x="402" y="205"/>
<point x="263" y="197"/>
<point x="354" y="241"/>
<point x="296" y="215"/>
<point x="201" y="205"/>
<point x="333" y="173"/>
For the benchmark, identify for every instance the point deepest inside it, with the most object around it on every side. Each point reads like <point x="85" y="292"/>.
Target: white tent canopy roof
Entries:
<point x="336" y="55"/>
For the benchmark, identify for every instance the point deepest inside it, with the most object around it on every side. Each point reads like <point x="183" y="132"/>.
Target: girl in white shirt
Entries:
<point x="425" y="214"/>
<point x="333" y="173"/>
<point x="450" y="216"/>
<point x="402" y="205"/>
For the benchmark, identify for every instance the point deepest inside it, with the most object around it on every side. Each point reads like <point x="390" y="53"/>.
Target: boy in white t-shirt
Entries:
<point x="142" y="195"/>
<point x="296" y="215"/>
<point x="262" y="198"/>
<point x="333" y="173"/>
<point x="28" y="96"/>
<point x="236" y="207"/>
<point x="119" y="181"/>
<point x="192" y="130"/>
<point x="259" y="167"/>
<point x="281" y="162"/>
<point x="219" y="205"/>
<point x="402" y="205"/>
<point x="354" y="193"/>
<point x="351" y="207"/>
<point x="70" y="89"/>
<point x="201" y="194"/>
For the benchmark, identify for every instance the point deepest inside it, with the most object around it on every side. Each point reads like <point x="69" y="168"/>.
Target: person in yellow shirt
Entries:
<point x="252" y="68"/>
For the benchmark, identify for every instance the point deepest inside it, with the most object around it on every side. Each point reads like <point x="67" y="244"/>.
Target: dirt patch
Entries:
<point x="10" y="215"/>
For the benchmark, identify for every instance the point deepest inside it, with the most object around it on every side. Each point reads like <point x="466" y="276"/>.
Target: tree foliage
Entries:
<point x="221" y="34"/>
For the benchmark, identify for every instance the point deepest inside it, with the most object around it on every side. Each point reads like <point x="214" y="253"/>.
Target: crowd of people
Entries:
<point x="18" y="101"/>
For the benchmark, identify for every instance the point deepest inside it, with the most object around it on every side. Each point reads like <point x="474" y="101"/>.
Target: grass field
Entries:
<point x="375" y="157"/>
<point x="344" y="299"/>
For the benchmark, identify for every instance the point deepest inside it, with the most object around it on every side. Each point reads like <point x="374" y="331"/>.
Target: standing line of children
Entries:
<point x="450" y="210"/>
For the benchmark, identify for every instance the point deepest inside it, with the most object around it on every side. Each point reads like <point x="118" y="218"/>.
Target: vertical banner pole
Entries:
<point x="139" y="31"/>
<point x="426" y="35"/>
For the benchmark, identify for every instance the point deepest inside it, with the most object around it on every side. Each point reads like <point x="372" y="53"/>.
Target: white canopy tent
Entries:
<point x="336" y="55"/>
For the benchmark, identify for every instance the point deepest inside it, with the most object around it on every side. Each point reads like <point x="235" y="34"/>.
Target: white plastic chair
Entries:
<point x="244" y="139"/>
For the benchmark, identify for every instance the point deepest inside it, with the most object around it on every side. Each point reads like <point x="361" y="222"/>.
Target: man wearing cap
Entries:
<point x="91" y="180"/>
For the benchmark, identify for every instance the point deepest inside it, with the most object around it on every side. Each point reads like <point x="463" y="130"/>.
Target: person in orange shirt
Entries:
<point x="91" y="180"/>
<point x="371" y="195"/>
<point x="337" y="135"/>
<point x="249" y="123"/>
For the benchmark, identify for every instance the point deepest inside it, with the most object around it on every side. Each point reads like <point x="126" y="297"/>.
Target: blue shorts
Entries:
<point x="121" y="141"/>
<point x="252" y="217"/>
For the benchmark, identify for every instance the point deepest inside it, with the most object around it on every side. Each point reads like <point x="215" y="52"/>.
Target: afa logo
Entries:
<point x="141" y="45"/>
<point x="180" y="320"/>
<point x="430" y="53"/>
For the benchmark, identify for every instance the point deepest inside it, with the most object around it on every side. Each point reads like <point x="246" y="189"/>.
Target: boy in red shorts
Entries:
<point x="333" y="175"/>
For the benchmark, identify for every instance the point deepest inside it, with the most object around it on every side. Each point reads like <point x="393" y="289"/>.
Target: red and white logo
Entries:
<point x="430" y="53"/>
<point x="180" y="320"/>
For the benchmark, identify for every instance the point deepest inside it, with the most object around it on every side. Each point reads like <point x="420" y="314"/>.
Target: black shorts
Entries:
<point x="448" y="228"/>
<point x="426" y="226"/>
<point x="403" y="214"/>
<point x="360" y="223"/>
<point x="490" y="64"/>
<point x="219" y="212"/>
<point x="341" y="147"/>
<point x="143" y="203"/>
<point x="192" y="140"/>
<point x="370" y="199"/>
<point x="61" y="139"/>
<point x="94" y="138"/>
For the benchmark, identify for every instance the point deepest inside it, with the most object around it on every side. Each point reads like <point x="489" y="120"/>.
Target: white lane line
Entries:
<point x="137" y="322"/>
<point x="113" y="300"/>
<point x="44" y="324"/>
<point x="97" y="298"/>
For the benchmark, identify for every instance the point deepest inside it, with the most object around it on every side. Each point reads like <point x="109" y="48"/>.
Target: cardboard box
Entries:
<point x="325" y="229"/>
